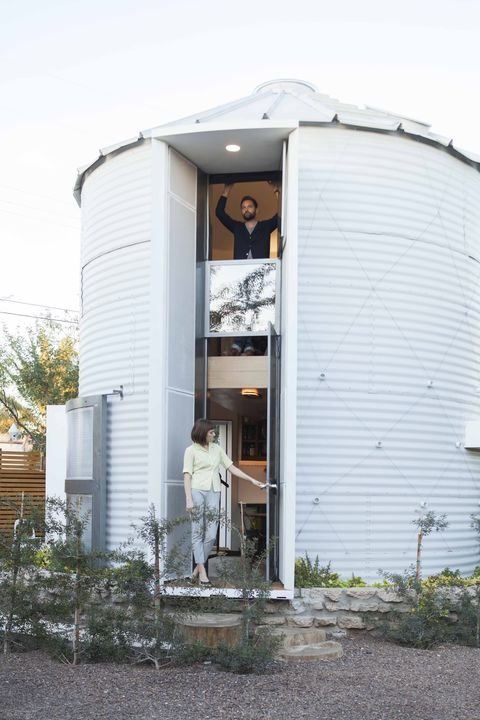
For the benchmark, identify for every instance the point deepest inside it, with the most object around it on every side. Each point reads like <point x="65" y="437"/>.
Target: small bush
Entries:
<point x="191" y="653"/>
<point x="106" y="638"/>
<point x="466" y="630"/>
<point x="252" y="654"/>
<point x="311" y="574"/>
<point x="439" y="613"/>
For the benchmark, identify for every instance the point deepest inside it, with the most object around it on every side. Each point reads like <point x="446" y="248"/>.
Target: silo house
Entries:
<point x="340" y="363"/>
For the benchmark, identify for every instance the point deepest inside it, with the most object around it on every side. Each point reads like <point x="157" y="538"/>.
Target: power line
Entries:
<point x="39" y="317"/>
<point x="29" y="192"/>
<point x="37" y="219"/>
<point x="38" y="209"/>
<point x="46" y="307"/>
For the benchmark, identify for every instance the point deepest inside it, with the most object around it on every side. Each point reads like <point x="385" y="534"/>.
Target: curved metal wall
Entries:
<point x="388" y="347"/>
<point x="115" y="327"/>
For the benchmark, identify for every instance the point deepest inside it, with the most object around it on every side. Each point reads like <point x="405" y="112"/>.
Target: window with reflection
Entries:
<point x="241" y="296"/>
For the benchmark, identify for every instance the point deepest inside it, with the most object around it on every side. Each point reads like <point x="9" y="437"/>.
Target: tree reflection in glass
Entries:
<point x="242" y="297"/>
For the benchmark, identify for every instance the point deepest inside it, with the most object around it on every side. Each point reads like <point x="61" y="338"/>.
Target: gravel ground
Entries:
<point x="374" y="680"/>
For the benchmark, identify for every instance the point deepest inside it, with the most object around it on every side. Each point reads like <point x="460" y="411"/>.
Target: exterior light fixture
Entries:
<point x="249" y="392"/>
<point x="232" y="148"/>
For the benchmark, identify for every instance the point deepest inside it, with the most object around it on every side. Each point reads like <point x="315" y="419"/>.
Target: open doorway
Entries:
<point x="220" y="238"/>
<point x="245" y="416"/>
<point x="238" y="388"/>
<point x="249" y="278"/>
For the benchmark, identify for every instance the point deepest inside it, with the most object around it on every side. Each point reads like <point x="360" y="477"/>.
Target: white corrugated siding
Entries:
<point x="388" y="347"/>
<point x="115" y="330"/>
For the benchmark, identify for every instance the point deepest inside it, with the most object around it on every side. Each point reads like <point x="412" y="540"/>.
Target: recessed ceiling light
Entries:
<point x="232" y="148"/>
<point x="249" y="392"/>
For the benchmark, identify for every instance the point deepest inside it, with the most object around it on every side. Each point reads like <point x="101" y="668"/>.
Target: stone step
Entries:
<point x="324" y="651"/>
<point x="293" y="636"/>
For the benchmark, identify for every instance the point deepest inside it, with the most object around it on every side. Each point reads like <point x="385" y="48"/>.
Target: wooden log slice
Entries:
<point x="212" y="629"/>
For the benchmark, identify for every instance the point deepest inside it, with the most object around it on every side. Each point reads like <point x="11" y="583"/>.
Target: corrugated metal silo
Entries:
<point x="380" y="321"/>
<point x="115" y="323"/>
<point x="388" y="339"/>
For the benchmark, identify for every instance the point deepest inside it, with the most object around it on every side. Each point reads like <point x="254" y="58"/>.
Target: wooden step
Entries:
<point x="211" y="629"/>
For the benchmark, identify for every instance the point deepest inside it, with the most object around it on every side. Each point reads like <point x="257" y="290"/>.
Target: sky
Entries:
<point x="79" y="75"/>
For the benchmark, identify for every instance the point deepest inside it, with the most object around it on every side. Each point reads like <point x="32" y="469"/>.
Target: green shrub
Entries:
<point x="438" y="612"/>
<point x="252" y="654"/>
<point x="112" y="606"/>
<point x="191" y="653"/>
<point x="106" y="637"/>
<point x="466" y="630"/>
<point x="311" y="574"/>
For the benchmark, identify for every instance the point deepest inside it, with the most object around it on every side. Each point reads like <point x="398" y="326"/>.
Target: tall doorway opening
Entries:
<point x="239" y="378"/>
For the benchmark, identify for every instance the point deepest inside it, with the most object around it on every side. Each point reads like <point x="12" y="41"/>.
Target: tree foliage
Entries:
<point x="20" y="615"/>
<point x="5" y="420"/>
<point x="426" y="524"/>
<point x="37" y="368"/>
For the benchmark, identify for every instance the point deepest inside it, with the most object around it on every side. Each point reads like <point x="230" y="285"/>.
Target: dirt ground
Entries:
<point x="374" y="680"/>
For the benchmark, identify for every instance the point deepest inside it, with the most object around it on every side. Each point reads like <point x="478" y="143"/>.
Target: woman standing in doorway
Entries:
<point x="201" y="480"/>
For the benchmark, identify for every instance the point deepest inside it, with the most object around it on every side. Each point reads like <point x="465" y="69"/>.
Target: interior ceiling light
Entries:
<point x="250" y="392"/>
<point x="232" y="148"/>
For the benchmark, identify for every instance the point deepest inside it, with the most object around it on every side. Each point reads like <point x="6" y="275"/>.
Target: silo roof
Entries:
<point x="283" y="100"/>
<point x="263" y="119"/>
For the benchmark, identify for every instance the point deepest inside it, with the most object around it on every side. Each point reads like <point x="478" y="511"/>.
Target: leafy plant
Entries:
<point x="311" y="574"/>
<point x="467" y="609"/>
<point x="426" y="523"/>
<point x="152" y="625"/>
<point x="257" y="645"/>
<point x="20" y="614"/>
<point x="89" y="606"/>
<point x="37" y="368"/>
<point x="427" y="623"/>
<point x="252" y="654"/>
<point x="76" y="578"/>
<point x="443" y="608"/>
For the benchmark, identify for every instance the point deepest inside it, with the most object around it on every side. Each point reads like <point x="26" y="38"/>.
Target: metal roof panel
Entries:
<point x="289" y="102"/>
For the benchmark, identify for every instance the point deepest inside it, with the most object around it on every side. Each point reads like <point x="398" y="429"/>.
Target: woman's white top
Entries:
<point x="203" y="464"/>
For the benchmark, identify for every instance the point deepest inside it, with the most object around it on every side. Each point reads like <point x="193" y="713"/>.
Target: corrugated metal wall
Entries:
<point x="388" y="348"/>
<point x="114" y="332"/>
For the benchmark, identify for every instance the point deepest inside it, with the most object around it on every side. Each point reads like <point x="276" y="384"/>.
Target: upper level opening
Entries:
<point x="257" y="185"/>
<point x="242" y="291"/>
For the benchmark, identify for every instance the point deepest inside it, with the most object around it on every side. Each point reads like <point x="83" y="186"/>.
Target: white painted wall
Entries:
<point x="56" y="451"/>
<point x="288" y="393"/>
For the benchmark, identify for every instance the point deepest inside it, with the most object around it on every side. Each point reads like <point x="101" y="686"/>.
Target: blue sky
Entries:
<point x="79" y="75"/>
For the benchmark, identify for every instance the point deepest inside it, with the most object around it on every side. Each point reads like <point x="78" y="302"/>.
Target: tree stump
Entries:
<point x="212" y="629"/>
